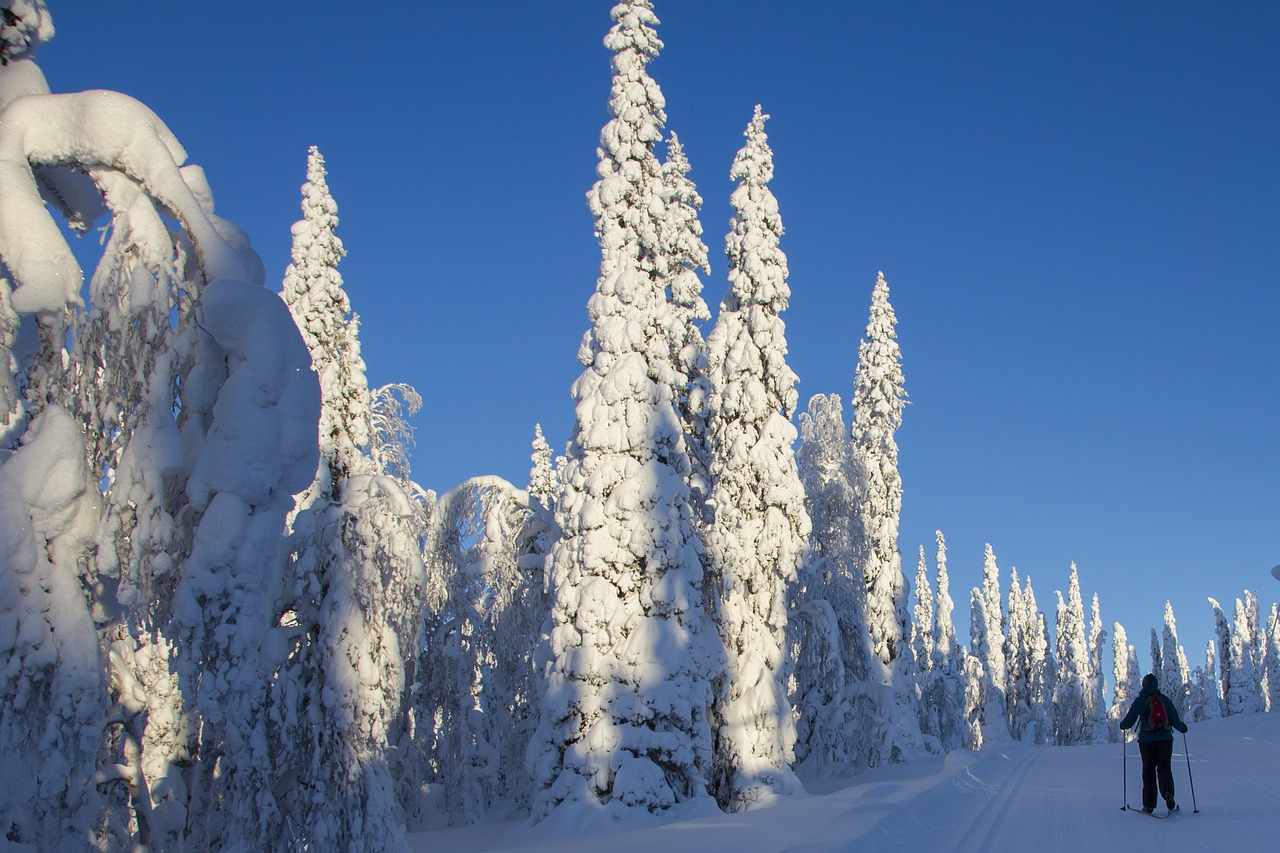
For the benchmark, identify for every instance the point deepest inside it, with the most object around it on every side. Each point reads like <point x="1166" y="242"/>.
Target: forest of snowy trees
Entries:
<point x="230" y="620"/>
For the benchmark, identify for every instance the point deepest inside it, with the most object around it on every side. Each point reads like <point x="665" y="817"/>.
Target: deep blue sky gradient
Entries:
<point x="1076" y="206"/>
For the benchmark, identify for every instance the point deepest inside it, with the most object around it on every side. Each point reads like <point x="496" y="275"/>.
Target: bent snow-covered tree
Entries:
<point x="627" y="669"/>
<point x="757" y="537"/>
<point x="191" y="409"/>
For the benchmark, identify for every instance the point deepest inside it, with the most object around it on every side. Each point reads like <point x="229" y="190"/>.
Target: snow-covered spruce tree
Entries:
<point x="986" y="710"/>
<point x="991" y="652"/>
<point x="1243" y="697"/>
<point x="630" y="652"/>
<point x="1096" y="699"/>
<point x="542" y="476"/>
<point x="354" y="589"/>
<point x="1126" y="676"/>
<point x="757" y="538"/>
<point x="1032" y="671"/>
<point x="1207" y="695"/>
<point x="474" y="708"/>
<point x="313" y="290"/>
<point x="922" y="619"/>
<point x="878" y="402"/>
<point x="1257" y="643"/>
<point x="1070" y="694"/>
<point x="1174" y="674"/>
<point x="1017" y="676"/>
<point x="827" y="630"/>
<point x="1222" y="634"/>
<point x="1273" y="659"/>
<point x="683" y="255"/>
<point x="175" y="350"/>
<point x="948" y="688"/>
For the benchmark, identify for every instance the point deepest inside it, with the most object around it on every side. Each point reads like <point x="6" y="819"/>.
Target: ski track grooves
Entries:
<point x="986" y="825"/>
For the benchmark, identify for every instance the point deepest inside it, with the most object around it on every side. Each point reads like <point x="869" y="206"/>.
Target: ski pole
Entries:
<point x="1124" y="747"/>
<point x="1194" y="808"/>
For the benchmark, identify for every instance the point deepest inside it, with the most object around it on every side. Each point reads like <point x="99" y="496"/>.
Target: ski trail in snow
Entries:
<point x="1010" y="796"/>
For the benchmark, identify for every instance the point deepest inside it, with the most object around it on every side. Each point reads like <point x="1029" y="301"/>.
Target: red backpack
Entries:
<point x="1157" y="716"/>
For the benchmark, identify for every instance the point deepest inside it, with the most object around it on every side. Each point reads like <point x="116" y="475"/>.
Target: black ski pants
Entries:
<point x="1157" y="756"/>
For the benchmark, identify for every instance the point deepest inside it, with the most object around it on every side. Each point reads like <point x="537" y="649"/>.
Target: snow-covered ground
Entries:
<point x="1012" y="797"/>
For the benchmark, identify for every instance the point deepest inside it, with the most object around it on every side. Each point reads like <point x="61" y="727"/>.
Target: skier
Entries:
<point x="1156" y="716"/>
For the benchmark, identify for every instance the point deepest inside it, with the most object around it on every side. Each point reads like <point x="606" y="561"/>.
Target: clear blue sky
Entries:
<point x="1076" y="207"/>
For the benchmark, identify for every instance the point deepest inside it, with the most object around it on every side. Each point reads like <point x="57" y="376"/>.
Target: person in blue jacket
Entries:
<point x="1156" y="746"/>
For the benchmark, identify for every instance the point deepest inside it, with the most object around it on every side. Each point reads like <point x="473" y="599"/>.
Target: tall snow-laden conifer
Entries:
<point x="684" y="255"/>
<point x="1070" y="696"/>
<point x="1222" y="632"/>
<point x="628" y="662"/>
<point x="1097" y="703"/>
<point x="353" y="594"/>
<point x="1243" y="697"/>
<point x="1030" y="718"/>
<point x="878" y="401"/>
<point x="922" y="618"/>
<point x="1125" y="688"/>
<point x="1273" y="659"/>
<point x="943" y="691"/>
<point x="760" y="525"/>
<point x="315" y="295"/>
<point x="992" y="654"/>
<point x="1174" y="674"/>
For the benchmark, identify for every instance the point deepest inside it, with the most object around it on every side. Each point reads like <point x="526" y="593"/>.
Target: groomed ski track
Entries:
<point x="1008" y="797"/>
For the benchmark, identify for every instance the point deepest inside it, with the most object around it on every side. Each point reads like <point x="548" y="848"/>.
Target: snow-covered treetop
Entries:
<point x="314" y="292"/>
<point x="626" y="199"/>
<point x="26" y="25"/>
<point x="633" y="35"/>
<point x="757" y="270"/>
<point x="879" y="384"/>
<point x="682" y="232"/>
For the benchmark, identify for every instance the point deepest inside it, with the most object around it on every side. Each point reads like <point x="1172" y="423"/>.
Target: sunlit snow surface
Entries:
<point x="1011" y="797"/>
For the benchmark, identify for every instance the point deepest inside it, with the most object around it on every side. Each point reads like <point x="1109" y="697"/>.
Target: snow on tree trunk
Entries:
<point x="757" y="537"/>
<point x="630" y="651"/>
